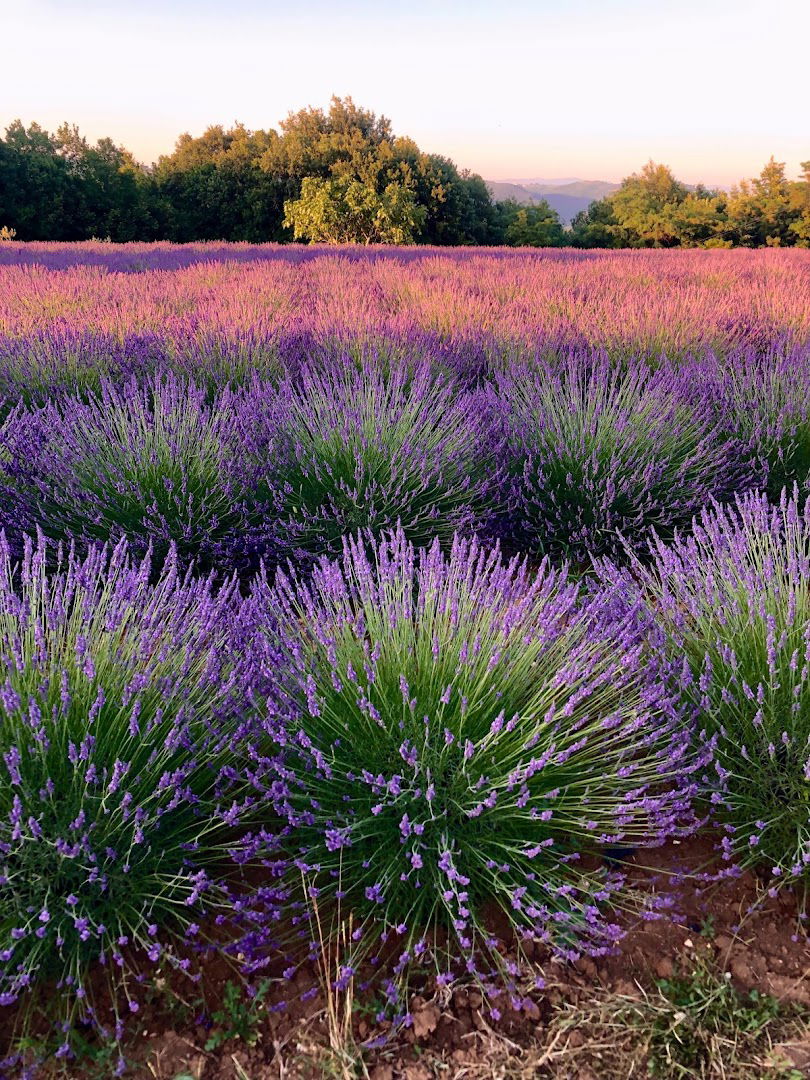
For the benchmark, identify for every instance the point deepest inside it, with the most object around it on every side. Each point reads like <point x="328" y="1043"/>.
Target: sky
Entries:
<point x="507" y="88"/>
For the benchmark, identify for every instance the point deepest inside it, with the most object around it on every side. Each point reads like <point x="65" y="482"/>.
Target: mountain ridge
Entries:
<point x="567" y="198"/>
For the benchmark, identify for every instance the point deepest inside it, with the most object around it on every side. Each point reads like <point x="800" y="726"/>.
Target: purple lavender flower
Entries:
<point x="109" y="827"/>
<point x="151" y="463"/>
<point x="734" y="601"/>
<point x="762" y="403"/>
<point x="557" y="738"/>
<point x="346" y="446"/>
<point x="598" y="451"/>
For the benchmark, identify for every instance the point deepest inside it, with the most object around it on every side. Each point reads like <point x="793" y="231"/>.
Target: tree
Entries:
<point x="643" y="206"/>
<point x="531" y="226"/>
<point x="354" y="144"/>
<point x="800" y="207"/>
<point x="314" y="143"/>
<point x="597" y="227"/>
<point x="759" y="211"/>
<point x="653" y="209"/>
<point x="459" y="208"/>
<point x="345" y="210"/>
<point x="214" y="187"/>
<point x="107" y="190"/>
<point x="33" y="185"/>
<point x="698" y="219"/>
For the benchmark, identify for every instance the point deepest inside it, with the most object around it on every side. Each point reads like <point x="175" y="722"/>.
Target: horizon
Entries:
<point x="592" y="91"/>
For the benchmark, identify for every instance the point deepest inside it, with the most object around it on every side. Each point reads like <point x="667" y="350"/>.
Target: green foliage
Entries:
<point x="59" y="187"/>
<point x="759" y="211"/>
<point x="695" y="1025"/>
<point x="240" y="1016"/>
<point x="345" y="210"/>
<point x="654" y="209"/>
<point x="241" y="185"/>
<point x="643" y="205"/>
<point x="800" y="204"/>
<point x="596" y="227"/>
<point x="531" y="226"/>
<point x="459" y="207"/>
<point x="214" y="187"/>
<point x="694" y="1012"/>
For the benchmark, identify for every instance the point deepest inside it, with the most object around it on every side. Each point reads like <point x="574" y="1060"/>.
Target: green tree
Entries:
<point x="107" y="192"/>
<point x="597" y="227"/>
<point x="759" y="211"/>
<point x="531" y="226"/>
<point x="213" y="187"/>
<point x="699" y="218"/>
<point x="653" y="209"/>
<point x="355" y="145"/>
<point x="800" y="207"/>
<point x="643" y="206"/>
<point x="459" y="208"/>
<point x="347" y="210"/>
<point x="315" y="143"/>
<point x="33" y="185"/>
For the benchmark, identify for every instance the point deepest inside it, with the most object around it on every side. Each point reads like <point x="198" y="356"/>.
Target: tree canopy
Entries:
<point x="653" y="209"/>
<point x="342" y="175"/>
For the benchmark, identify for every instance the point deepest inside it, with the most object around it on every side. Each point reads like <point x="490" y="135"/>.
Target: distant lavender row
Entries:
<point x="575" y="457"/>
<point x="243" y="299"/>
<point x="162" y="255"/>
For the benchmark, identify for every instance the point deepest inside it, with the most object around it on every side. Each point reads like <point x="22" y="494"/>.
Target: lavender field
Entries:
<point x="378" y="625"/>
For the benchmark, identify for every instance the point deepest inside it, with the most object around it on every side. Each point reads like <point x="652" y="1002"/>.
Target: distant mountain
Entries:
<point x="567" y="206"/>
<point x="567" y="197"/>
<point x="542" y="181"/>
<point x="582" y="189"/>
<point x="503" y="189"/>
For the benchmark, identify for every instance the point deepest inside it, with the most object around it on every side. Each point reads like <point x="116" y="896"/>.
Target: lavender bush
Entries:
<point x="152" y="463"/>
<point x="347" y="446"/>
<point x="734" y="600"/>
<point x="466" y="731"/>
<point x="120" y="736"/>
<point x="598" y="452"/>
<point x="763" y="403"/>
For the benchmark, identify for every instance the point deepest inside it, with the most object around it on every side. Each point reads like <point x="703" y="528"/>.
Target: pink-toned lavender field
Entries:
<point x="645" y="300"/>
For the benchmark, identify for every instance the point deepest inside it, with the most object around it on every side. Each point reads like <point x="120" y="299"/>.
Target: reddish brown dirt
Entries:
<point x="763" y="949"/>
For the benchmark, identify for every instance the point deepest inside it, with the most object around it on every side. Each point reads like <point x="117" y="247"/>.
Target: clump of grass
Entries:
<point x="598" y="451"/>
<point x="695" y="1024"/>
<point x="466" y="736"/>
<point x="734" y="601"/>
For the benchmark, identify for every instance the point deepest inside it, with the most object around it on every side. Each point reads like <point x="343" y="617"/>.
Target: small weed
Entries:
<point x="708" y="929"/>
<point x="693" y="1026"/>
<point x="240" y="1016"/>
<point x="697" y="1013"/>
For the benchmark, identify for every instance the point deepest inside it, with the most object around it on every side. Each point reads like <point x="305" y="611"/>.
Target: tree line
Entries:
<point x="342" y="176"/>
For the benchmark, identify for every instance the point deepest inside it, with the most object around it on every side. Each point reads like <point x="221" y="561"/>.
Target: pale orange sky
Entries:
<point x="516" y="88"/>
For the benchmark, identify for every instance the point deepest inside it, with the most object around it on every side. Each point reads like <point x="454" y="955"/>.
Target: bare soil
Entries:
<point x="731" y="925"/>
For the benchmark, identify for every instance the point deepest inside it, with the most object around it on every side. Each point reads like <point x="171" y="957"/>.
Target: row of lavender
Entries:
<point x="387" y="750"/>
<point x="304" y="693"/>
<point x="578" y="456"/>
<point x="242" y="304"/>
